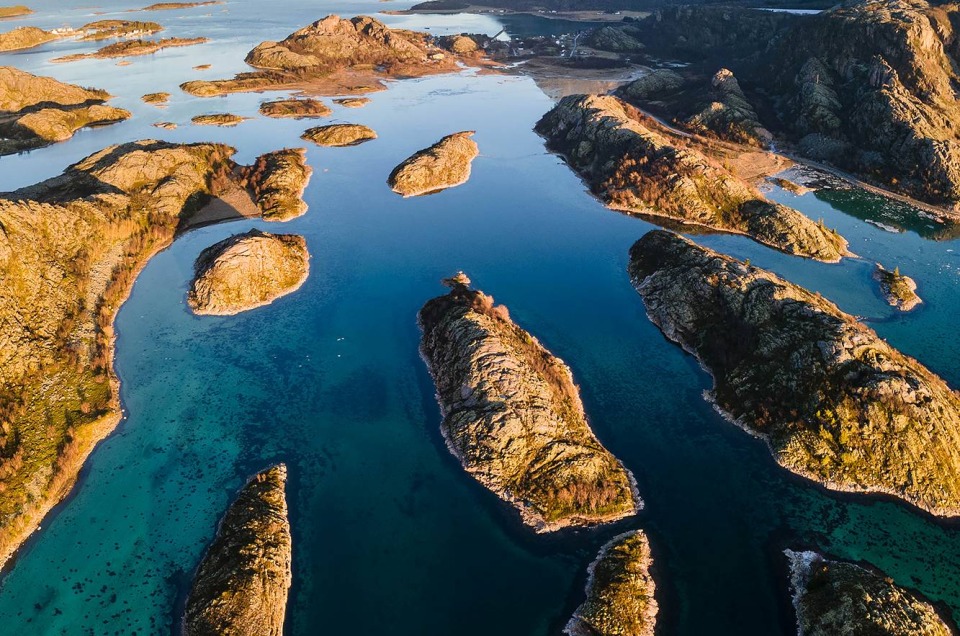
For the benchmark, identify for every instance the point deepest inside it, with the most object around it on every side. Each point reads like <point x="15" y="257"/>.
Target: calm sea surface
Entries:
<point x="390" y="536"/>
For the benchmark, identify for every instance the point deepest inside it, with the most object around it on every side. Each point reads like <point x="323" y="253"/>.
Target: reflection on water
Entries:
<point x="389" y="534"/>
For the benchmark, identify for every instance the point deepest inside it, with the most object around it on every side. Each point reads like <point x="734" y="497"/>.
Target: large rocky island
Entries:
<point x="834" y="402"/>
<point x="635" y="165"/>
<point x="37" y="111"/>
<point x="513" y="417"/>
<point x="838" y="598"/>
<point x="70" y="249"/>
<point x="620" y="591"/>
<point x="335" y="56"/>
<point x="248" y="271"/>
<point x="242" y="583"/>
<point x="443" y="165"/>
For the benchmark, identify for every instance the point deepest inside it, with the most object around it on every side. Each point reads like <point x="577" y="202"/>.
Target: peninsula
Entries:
<point x="620" y="591"/>
<point x="513" y="417"/>
<point x="834" y="402"/>
<point x="242" y="583"/>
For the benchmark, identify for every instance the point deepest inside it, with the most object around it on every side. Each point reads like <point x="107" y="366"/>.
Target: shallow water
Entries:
<point x="389" y="534"/>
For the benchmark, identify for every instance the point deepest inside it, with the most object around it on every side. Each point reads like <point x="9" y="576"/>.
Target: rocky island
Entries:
<point x="338" y="135"/>
<point x="635" y="165"/>
<point x="445" y="164"/>
<point x="898" y="290"/>
<point x="37" y="111"/>
<point x="247" y="271"/>
<point x="132" y="48"/>
<point x="156" y="99"/>
<point x="513" y="417"/>
<point x="218" y="119"/>
<point x="295" y="108"/>
<point x="335" y="56"/>
<point x="620" y="591"/>
<point x="835" y="597"/>
<point x="70" y="249"/>
<point x="169" y="6"/>
<point x="242" y="583"/>
<point x="15" y="11"/>
<point x="352" y="102"/>
<point x="834" y="402"/>
<point x="25" y="38"/>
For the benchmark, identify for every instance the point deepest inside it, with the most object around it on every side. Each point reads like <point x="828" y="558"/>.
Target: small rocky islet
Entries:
<point x="834" y="402"/>
<point x="247" y="271"/>
<point x="218" y="119"/>
<point x="837" y="598"/>
<point x="445" y="164"/>
<point x="513" y="417"/>
<point x="898" y="290"/>
<point x="302" y="108"/>
<point x="620" y="591"/>
<point x="339" y="135"/>
<point x="241" y="585"/>
<point x="634" y="165"/>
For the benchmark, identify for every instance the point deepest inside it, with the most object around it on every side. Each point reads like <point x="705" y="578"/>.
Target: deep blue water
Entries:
<point x="389" y="534"/>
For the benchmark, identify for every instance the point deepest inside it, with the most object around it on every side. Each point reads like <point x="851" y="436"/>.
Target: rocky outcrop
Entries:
<point x="834" y="402"/>
<point x="898" y="290"/>
<point x="714" y="107"/>
<point x="15" y="11"/>
<point x="339" y="135"/>
<point x="334" y="54"/>
<point x="513" y="417"/>
<point x="836" y="598"/>
<point x="620" y="591"/>
<point x="352" y="102"/>
<point x="295" y="108"/>
<point x="218" y="119"/>
<point x="70" y="249"/>
<point x="614" y="39"/>
<point x="247" y="271"/>
<point x="132" y="48"/>
<point x="157" y="99"/>
<point x="37" y="111"/>
<point x="25" y="38"/>
<point x="242" y="584"/>
<point x="636" y="166"/>
<point x="277" y="181"/>
<point x="443" y="165"/>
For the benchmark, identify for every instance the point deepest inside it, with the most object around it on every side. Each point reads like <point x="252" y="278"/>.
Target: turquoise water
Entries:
<point x="389" y="534"/>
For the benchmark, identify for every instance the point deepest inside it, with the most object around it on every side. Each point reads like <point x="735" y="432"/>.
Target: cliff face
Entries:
<point x="868" y="86"/>
<point x="834" y="598"/>
<point x="443" y="165"/>
<point x="322" y="53"/>
<point x="70" y="248"/>
<point x="834" y="402"/>
<point x="513" y="417"/>
<point x="634" y="165"/>
<point x="241" y="586"/>
<point x="37" y="111"/>
<point x="620" y="591"/>
<point x="248" y="271"/>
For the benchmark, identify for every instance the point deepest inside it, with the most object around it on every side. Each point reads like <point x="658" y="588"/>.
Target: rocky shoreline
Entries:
<point x="241" y="585"/>
<point x="835" y="597"/>
<point x="834" y="402"/>
<point x="513" y="416"/>
<point x="61" y="392"/>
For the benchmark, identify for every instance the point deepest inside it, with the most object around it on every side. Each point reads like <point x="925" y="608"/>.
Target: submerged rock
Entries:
<point x="620" y="591"/>
<point x="835" y="598"/>
<point x="242" y="584"/>
<point x="37" y="111"/>
<point x="834" y="402"/>
<point x="248" y="271"/>
<point x="636" y="166"/>
<point x="513" y="417"/>
<point x="443" y="165"/>
<point x="339" y="135"/>
<point x="898" y="290"/>
<point x="295" y="108"/>
<point x="277" y="181"/>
